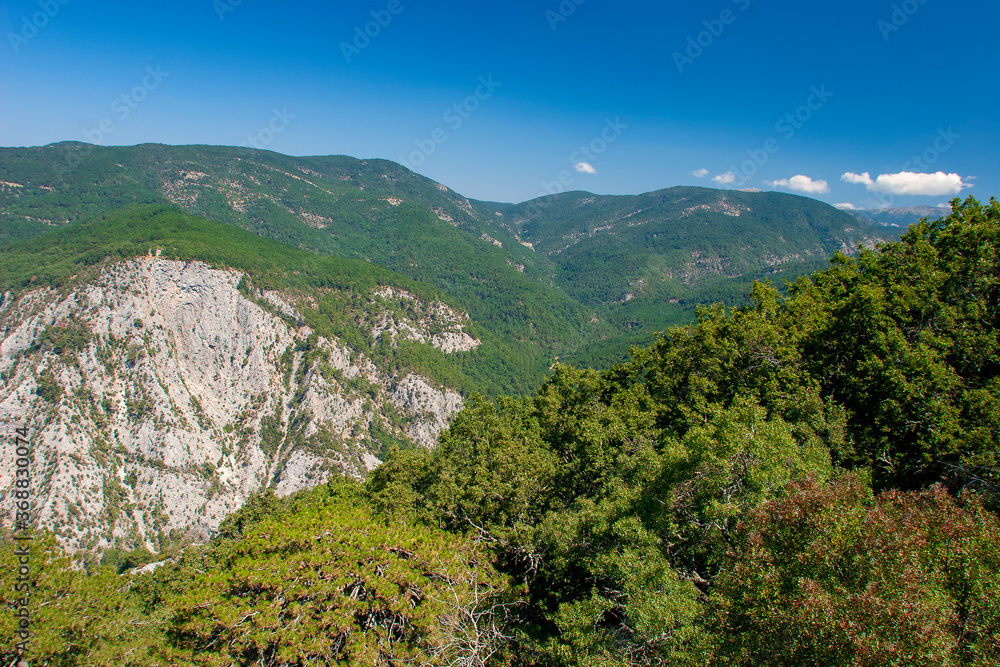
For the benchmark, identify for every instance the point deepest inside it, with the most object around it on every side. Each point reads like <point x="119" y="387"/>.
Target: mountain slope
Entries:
<point x="643" y="262"/>
<point x="576" y="276"/>
<point x="365" y="209"/>
<point x="168" y="367"/>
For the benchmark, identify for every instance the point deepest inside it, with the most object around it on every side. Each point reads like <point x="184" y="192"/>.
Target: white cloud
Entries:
<point x="846" y="207"/>
<point x="858" y="179"/>
<point x="930" y="185"/>
<point x="585" y="168"/>
<point x="802" y="184"/>
<point x="725" y="179"/>
<point x="700" y="173"/>
<point x="910" y="183"/>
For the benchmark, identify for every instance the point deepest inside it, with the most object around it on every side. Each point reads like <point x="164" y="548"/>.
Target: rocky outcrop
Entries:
<point x="405" y="317"/>
<point x="162" y="394"/>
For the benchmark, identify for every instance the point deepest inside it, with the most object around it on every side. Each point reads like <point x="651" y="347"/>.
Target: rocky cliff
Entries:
<point x="163" y="393"/>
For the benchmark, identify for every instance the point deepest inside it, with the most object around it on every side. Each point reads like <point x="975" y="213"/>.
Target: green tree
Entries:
<point x="77" y="619"/>
<point x="336" y="585"/>
<point x="905" y="339"/>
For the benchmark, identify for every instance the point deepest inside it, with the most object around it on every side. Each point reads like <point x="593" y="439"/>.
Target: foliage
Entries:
<point x="906" y="339"/>
<point x="337" y="585"/>
<point x="618" y="498"/>
<point x="830" y="575"/>
<point x="610" y="521"/>
<point x="77" y="620"/>
<point x="808" y="479"/>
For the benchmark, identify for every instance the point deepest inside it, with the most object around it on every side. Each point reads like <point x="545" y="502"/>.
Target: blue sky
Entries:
<point x="833" y="100"/>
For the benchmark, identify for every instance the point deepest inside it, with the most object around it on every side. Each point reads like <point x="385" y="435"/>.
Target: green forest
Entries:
<point x="809" y="479"/>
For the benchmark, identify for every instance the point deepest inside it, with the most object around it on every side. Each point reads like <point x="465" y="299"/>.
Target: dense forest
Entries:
<point x="810" y="479"/>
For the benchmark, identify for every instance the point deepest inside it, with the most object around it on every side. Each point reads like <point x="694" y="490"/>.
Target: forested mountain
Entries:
<point x="645" y="261"/>
<point x="810" y="479"/>
<point x="169" y="367"/>
<point x="370" y="210"/>
<point x="574" y="276"/>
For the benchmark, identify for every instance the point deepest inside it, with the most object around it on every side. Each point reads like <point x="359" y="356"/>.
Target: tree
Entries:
<point x="336" y="585"/>
<point x="905" y="339"/>
<point x="77" y="619"/>
<point x="831" y="575"/>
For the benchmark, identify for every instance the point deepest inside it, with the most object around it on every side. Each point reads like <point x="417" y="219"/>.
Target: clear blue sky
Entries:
<point x="919" y="79"/>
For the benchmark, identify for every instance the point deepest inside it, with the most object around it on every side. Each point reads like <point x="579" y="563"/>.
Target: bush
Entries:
<point x="833" y="576"/>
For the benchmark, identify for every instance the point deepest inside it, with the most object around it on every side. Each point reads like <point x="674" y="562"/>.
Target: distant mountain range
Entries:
<point x="901" y="217"/>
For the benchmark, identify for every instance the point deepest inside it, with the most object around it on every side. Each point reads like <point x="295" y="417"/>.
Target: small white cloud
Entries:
<point x="846" y="207"/>
<point x="725" y="179"/>
<point x="858" y="179"/>
<point x="585" y="168"/>
<point x="700" y="173"/>
<point x="802" y="184"/>
<point x="910" y="183"/>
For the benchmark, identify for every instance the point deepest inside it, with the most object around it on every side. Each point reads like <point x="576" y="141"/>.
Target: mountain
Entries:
<point x="371" y="210"/>
<point x="901" y="217"/>
<point x="644" y="262"/>
<point x="169" y="366"/>
<point x="574" y="276"/>
<point x="182" y="326"/>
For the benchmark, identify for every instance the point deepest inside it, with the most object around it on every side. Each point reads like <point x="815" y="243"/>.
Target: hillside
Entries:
<point x="643" y="262"/>
<point x="575" y="276"/>
<point x="168" y="367"/>
<point x="371" y="210"/>
<point x="811" y="479"/>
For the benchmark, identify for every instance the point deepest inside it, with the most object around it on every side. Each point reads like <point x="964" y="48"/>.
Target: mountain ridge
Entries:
<point x="498" y="260"/>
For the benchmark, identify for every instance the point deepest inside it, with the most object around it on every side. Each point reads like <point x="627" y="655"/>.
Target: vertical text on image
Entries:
<point x="22" y="539"/>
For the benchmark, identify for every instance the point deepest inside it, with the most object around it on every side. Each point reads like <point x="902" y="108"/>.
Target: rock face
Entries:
<point x="164" y="393"/>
